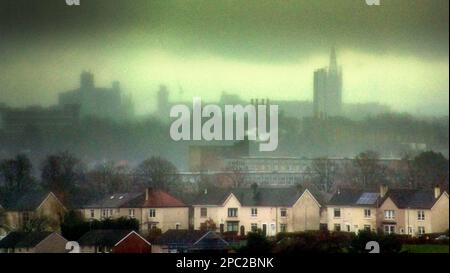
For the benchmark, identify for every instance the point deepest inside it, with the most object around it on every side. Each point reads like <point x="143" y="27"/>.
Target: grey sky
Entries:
<point x="396" y="53"/>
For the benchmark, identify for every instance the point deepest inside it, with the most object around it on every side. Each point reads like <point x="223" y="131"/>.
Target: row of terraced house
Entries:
<point x="272" y="210"/>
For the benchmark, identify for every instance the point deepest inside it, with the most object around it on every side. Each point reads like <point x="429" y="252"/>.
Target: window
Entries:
<point x="421" y="215"/>
<point x="104" y="213"/>
<point x="92" y="212"/>
<point x="337" y="213"/>
<point x="283" y="212"/>
<point x="348" y="228"/>
<point x="421" y="230"/>
<point x="367" y="213"/>
<point x="203" y="212"/>
<point x="232" y="226"/>
<point x="337" y="227"/>
<point x="254" y="212"/>
<point x="410" y="230"/>
<point x="283" y="227"/>
<point x="367" y="228"/>
<point x="131" y="213"/>
<point x="152" y="213"/>
<point x="232" y="212"/>
<point x="254" y="227"/>
<point x="111" y="212"/>
<point x="389" y="229"/>
<point x="389" y="214"/>
<point x="177" y="226"/>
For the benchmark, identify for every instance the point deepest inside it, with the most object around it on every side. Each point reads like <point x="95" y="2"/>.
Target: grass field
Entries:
<point x="425" y="248"/>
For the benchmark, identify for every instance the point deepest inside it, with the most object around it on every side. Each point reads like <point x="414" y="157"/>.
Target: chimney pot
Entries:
<point x="147" y="193"/>
<point x="383" y="190"/>
<point x="437" y="192"/>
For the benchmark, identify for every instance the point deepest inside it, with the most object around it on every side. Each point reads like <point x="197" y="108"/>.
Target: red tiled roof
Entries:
<point x="157" y="198"/>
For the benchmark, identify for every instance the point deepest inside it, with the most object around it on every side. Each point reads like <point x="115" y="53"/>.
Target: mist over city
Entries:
<point x="86" y="94"/>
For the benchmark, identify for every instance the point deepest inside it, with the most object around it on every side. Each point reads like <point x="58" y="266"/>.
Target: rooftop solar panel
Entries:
<point x="367" y="198"/>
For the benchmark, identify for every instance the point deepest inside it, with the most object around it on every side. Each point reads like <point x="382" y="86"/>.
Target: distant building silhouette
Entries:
<point x="17" y="121"/>
<point x="98" y="102"/>
<point x="328" y="89"/>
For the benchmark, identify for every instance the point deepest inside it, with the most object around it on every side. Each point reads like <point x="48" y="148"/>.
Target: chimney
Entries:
<point x="437" y="192"/>
<point x="147" y="193"/>
<point x="383" y="190"/>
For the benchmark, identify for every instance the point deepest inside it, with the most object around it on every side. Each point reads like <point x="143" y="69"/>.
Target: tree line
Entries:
<point x="75" y="184"/>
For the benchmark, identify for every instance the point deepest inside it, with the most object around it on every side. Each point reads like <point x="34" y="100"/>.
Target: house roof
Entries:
<point x="23" y="239"/>
<point x="29" y="201"/>
<point x="115" y="200"/>
<point x="156" y="199"/>
<point x="133" y="233"/>
<point x="253" y="197"/>
<point x="103" y="237"/>
<point x="192" y="239"/>
<point x="210" y="241"/>
<point x="180" y="237"/>
<point x="409" y="198"/>
<point x="12" y="239"/>
<point x="354" y="197"/>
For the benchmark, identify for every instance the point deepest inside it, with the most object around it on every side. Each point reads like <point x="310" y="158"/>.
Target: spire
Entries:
<point x="333" y="60"/>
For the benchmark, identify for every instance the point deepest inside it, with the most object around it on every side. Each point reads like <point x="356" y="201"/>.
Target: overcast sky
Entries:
<point x="395" y="54"/>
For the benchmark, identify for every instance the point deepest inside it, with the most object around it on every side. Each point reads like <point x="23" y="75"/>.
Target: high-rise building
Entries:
<point x="98" y="102"/>
<point x="328" y="89"/>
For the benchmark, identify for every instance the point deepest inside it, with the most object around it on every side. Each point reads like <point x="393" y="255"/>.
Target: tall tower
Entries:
<point x="328" y="89"/>
<point x="86" y="80"/>
<point x="334" y="86"/>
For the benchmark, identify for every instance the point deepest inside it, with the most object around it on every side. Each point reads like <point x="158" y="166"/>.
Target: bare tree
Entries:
<point x="237" y="172"/>
<point x="158" y="173"/>
<point x="110" y="177"/>
<point x="324" y="171"/>
<point x="62" y="174"/>
<point x="430" y="169"/>
<point x="369" y="170"/>
<point x="15" y="178"/>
